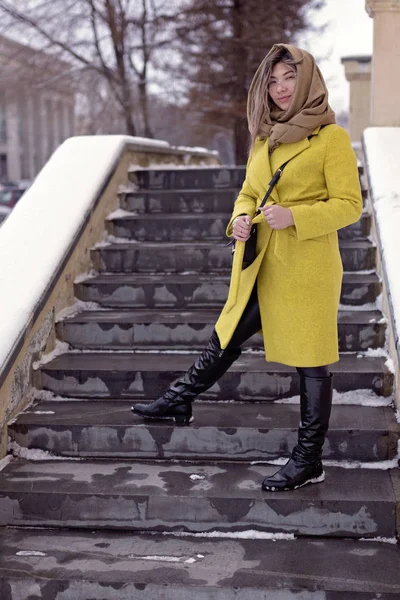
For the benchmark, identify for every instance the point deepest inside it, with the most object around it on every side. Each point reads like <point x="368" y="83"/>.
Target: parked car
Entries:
<point x="9" y="197"/>
<point x="8" y="185"/>
<point x="4" y="212"/>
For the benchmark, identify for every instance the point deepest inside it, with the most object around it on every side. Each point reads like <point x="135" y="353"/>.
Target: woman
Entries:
<point x="292" y="289"/>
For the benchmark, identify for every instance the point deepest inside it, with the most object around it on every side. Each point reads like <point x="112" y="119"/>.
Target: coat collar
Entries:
<point x="286" y="152"/>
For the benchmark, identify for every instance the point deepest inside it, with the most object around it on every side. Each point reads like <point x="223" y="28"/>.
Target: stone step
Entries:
<point x="257" y="432"/>
<point x="174" y="329"/>
<point x="191" y="178"/>
<point x="194" y="497"/>
<point x="186" y="291"/>
<point x="192" y="227"/>
<point x="122" y="566"/>
<point x="184" y="201"/>
<point x="146" y="375"/>
<point x="201" y="257"/>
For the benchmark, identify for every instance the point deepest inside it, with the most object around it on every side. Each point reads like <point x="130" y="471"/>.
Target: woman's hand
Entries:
<point x="278" y="217"/>
<point x="241" y="228"/>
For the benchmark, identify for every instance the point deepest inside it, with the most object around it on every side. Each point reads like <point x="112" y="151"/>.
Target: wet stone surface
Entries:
<point x="194" y="497"/>
<point x="144" y="375"/>
<point x="249" y="432"/>
<point x="65" y="566"/>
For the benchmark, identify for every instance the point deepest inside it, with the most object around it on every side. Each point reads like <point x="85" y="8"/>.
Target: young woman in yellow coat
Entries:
<point x="292" y="289"/>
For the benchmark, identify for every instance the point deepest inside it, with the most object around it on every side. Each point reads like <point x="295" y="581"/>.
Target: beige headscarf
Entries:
<point x="308" y="109"/>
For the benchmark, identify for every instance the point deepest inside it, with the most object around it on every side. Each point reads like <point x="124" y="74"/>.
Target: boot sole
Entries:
<point x="318" y="479"/>
<point x="179" y="420"/>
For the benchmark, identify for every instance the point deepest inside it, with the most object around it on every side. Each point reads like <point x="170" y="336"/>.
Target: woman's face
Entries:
<point x="282" y="85"/>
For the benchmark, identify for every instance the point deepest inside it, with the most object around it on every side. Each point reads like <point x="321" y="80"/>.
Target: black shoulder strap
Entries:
<point x="272" y="183"/>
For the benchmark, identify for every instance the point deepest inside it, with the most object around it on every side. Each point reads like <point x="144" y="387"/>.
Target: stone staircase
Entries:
<point x="134" y="516"/>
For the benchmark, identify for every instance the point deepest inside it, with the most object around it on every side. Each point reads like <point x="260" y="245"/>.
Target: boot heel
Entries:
<point x="183" y="420"/>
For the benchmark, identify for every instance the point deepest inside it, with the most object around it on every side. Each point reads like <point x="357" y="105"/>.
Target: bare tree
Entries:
<point x="115" y="38"/>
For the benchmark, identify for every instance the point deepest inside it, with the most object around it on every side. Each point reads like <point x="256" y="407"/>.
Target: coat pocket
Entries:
<point x="319" y="238"/>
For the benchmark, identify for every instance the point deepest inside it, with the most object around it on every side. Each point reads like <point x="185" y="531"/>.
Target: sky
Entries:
<point x="349" y="32"/>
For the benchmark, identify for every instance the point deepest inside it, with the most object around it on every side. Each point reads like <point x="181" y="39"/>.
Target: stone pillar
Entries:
<point x="13" y="141"/>
<point x="43" y="141"/>
<point x="31" y="142"/>
<point x="357" y="70"/>
<point x="65" y="117"/>
<point x="385" y="90"/>
<point x="56" y="123"/>
<point x="72" y="119"/>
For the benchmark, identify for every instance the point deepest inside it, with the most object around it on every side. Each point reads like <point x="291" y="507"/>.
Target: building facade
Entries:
<point x="37" y="109"/>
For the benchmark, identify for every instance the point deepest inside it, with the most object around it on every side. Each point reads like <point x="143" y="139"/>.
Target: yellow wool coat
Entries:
<point x="298" y="270"/>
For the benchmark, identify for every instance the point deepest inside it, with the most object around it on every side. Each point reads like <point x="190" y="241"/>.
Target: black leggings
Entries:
<point x="250" y="323"/>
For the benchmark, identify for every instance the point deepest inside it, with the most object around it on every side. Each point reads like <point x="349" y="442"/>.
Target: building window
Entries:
<point x="3" y="167"/>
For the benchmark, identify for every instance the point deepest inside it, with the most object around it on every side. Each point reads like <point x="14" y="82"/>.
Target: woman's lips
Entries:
<point x="284" y="99"/>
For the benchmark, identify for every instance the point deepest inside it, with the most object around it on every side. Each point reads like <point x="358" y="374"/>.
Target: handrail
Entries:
<point x="381" y="147"/>
<point x="34" y="249"/>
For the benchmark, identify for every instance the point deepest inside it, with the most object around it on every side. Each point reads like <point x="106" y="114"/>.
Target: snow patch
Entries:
<point x="85" y="276"/>
<point x="46" y="395"/>
<point x="389" y="364"/>
<point x="4" y="461"/>
<point x="129" y="188"/>
<point x="35" y="455"/>
<point x="109" y="239"/>
<point x="373" y="353"/>
<point x="143" y="141"/>
<point x="382" y="540"/>
<point x="383" y="465"/>
<point x="250" y="534"/>
<point x="196" y="149"/>
<point x="120" y="213"/>
<point x="195" y="477"/>
<point x="167" y="166"/>
<point x="76" y="308"/>
<point x="359" y="307"/>
<point x="168" y="559"/>
<point x="361" y="397"/>
<point x="30" y="553"/>
<point x="60" y="348"/>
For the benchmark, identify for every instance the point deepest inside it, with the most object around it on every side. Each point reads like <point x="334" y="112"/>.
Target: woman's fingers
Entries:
<point x="241" y="228"/>
<point x="278" y="217"/>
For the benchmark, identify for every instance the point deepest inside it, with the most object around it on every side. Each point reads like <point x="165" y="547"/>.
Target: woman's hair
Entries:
<point x="260" y="99"/>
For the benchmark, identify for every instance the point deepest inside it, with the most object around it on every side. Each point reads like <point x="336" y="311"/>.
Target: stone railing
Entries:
<point x="45" y="244"/>
<point x="358" y="73"/>
<point x="382" y="157"/>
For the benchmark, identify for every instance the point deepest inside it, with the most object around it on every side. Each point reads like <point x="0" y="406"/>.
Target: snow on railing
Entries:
<point x="382" y="158"/>
<point x="43" y="227"/>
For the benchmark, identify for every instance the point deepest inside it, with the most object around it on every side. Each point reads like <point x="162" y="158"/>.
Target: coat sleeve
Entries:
<point x="245" y="203"/>
<point x="344" y="204"/>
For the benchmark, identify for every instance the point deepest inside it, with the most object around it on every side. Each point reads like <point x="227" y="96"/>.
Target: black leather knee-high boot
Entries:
<point x="304" y="465"/>
<point x="176" y="402"/>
